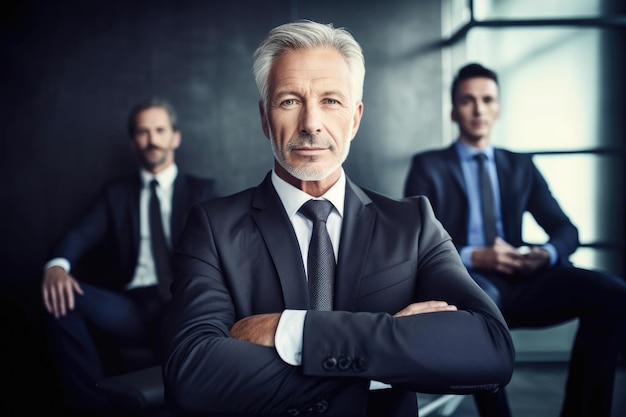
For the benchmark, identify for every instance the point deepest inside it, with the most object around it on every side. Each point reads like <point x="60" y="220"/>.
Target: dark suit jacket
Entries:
<point x="239" y="256"/>
<point x="112" y="223"/>
<point x="437" y="175"/>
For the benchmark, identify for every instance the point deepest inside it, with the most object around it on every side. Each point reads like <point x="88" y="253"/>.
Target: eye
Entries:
<point x="289" y="102"/>
<point x="331" y="101"/>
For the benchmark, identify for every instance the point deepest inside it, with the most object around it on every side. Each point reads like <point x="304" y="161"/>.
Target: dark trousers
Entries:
<point x="89" y="342"/>
<point x="555" y="295"/>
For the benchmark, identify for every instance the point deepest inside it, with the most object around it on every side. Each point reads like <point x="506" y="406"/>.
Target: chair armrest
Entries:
<point x="138" y="392"/>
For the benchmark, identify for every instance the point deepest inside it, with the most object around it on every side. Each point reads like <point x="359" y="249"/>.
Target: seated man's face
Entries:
<point x="476" y="108"/>
<point x="311" y="116"/>
<point x="154" y="139"/>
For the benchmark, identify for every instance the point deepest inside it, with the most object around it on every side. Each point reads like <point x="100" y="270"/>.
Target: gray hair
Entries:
<point x="306" y="34"/>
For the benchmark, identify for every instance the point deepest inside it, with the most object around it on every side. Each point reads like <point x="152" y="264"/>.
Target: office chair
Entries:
<point x="137" y="394"/>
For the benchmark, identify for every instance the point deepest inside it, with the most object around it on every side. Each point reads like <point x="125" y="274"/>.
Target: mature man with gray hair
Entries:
<point x="309" y="294"/>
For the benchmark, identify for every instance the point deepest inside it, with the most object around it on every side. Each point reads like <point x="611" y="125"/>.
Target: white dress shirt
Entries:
<point x="290" y="329"/>
<point x="145" y="272"/>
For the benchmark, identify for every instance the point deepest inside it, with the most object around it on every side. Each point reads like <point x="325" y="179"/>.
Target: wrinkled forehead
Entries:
<point x="313" y="66"/>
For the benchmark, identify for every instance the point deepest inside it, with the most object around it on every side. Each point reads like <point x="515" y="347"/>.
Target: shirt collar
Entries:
<point x="293" y="198"/>
<point x="468" y="152"/>
<point x="165" y="178"/>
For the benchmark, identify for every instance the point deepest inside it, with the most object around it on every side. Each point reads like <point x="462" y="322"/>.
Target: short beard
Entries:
<point x="309" y="172"/>
<point x="149" y="163"/>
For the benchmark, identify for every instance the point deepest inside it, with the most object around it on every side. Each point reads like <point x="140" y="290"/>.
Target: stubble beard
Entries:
<point x="310" y="171"/>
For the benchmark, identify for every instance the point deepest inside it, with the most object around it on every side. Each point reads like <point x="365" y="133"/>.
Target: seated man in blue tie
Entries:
<point x="137" y="218"/>
<point x="309" y="295"/>
<point x="536" y="286"/>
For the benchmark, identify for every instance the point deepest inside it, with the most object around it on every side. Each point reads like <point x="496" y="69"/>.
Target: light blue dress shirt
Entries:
<point x="475" y="235"/>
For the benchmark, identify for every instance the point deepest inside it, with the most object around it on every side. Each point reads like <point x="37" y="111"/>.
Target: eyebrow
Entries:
<point x="474" y="96"/>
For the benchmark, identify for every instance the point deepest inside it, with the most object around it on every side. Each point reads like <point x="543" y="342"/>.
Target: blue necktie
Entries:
<point x="487" y="200"/>
<point x="321" y="258"/>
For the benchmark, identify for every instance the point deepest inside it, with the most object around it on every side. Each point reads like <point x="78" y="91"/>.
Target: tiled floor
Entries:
<point x="536" y="390"/>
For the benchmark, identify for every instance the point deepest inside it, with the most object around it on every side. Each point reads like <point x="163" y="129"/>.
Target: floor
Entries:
<point x="536" y="390"/>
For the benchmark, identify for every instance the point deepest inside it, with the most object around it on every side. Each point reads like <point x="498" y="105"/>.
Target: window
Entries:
<point x="560" y="68"/>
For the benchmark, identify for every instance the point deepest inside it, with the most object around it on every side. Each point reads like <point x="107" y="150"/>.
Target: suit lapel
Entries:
<point x="356" y="236"/>
<point x="131" y="205"/>
<point x="452" y="163"/>
<point x="179" y="199"/>
<point x="282" y="244"/>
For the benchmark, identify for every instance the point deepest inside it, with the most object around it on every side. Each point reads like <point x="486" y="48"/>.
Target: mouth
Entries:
<point x="309" y="150"/>
<point x="152" y="150"/>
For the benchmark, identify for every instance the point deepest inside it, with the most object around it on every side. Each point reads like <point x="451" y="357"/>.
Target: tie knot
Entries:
<point x="316" y="210"/>
<point x="480" y="157"/>
<point x="154" y="184"/>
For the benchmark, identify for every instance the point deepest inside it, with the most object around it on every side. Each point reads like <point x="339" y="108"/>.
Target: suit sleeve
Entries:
<point x="85" y="235"/>
<point x="208" y="372"/>
<point x="416" y="182"/>
<point x="550" y="216"/>
<point x="460" y="351"/>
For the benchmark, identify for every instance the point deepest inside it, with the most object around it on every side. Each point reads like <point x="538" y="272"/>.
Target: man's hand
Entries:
<point x="500" y="257"/>
<point x="536" y="259"/>
<point x="424" y="307"/>
<point x="58" y="291"/>
<point x="259" y="329"/>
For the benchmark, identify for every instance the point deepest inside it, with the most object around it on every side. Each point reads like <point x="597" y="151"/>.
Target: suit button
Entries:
<point x="344" y="363"/>
<point x="293" y="412"/>
<point x="320" y="407"/>
<point x="329" y="363"/>
<point x="359" y="365"/>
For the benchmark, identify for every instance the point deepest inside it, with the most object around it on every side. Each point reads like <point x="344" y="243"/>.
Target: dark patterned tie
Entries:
<point x="487" y="200"/>
<point x="321" y="258"/>
<point x="160" y="249"/>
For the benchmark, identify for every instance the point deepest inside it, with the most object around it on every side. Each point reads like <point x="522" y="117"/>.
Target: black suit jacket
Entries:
<point x="239" y="256"/>
<point x="112" y="224"/>
<point x="437" y="175"/>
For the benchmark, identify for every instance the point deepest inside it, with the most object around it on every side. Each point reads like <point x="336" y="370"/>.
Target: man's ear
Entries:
<point x="453" y="115"/>
<point x="264" y="122"/>
<point x="356" y="120"/>
<point x="177" y="139"/>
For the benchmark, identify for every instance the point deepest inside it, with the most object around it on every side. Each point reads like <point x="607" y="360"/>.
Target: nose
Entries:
<point x="478" y="108"/>
<point x="310" y="119"/>
<point x="150" y="136"/>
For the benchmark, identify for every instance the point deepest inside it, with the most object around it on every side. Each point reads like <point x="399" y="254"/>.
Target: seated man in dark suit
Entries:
<point x="276" y="311"/>
<point x="535" y="287"/>
<point x="126" y="308"/>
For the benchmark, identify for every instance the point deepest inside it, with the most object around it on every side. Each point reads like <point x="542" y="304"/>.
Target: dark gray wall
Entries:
<point x="72" y="69"/>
